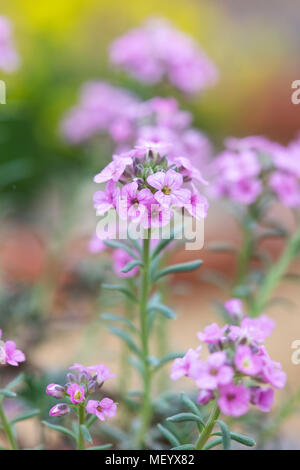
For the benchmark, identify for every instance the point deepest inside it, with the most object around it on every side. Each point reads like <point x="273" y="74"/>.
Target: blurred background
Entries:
<point x="51" y="294"/>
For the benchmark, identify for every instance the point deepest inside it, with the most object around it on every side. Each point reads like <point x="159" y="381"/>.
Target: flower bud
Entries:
<point x="59" y="410"/>
<point x="92" y="386"/>
<point x="71" y="378"/>
<point x="56" y="391"/>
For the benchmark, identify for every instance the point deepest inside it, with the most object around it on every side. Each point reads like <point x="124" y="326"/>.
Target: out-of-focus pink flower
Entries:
<point x="108" y="199"/>
<point x="234" y="308"/>
<point x="205" y="396"/>
<point x="120" y="259"/>
<point x="287" y="188"/>
<point x="99" y="372"/>
<point x="157" y="50"/>
<point x="198" y="205"/>
<point x="61" y="409"/>
<point x="106" y="408"/>
<point x="273" y="374"/>
<point x="257" y="329"/>
<point x="182" y="365"/>
<point x="262" y="397"/>
<point x="212" y="334"/>
<point x="234" y="400"/>
<point x="114" y="170"/>
<point x="55" y="390"/>
<point x="246" y="361"/>
<point x="96" y="245"/>
<point x="76" y="393"/>
<point x="13" y="356"/>
<point x="9" y="58"/>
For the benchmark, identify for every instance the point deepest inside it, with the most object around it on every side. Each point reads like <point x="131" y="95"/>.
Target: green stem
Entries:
<point x="81" y="420"/>
<point x="125" y="368"/>
<point x="146" y="409"/>
<point x="275" y="274"/>
<point x="205" y="435"/>
<point x="245" y="256"/>
<point x="7" y="428"/>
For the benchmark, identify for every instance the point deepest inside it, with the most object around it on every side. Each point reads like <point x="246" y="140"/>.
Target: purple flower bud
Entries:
<point x="92" y="386"/>
<point x="56" y="391"/>
<point x="59" y="410"/>
<point x="71" y="378"/>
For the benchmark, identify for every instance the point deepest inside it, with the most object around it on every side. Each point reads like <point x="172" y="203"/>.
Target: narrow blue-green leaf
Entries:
<point x="86" y="433"/>
<point x="16" y="381"/>
<point x="131" y="265"/>
<point x="125" y="336"/>
<point x="104" y="447"/>
<point x="163" y="309"/>
<point x="61" y="429"/>
<point x="241" y="438"/>
<point x="169" y="435"/>
<point x="179" y="268"/>
<point x="7" y="393"/>
<point x="135" y="362"/>
<point x="180" y="417"/>
<point x="213" y="443"/>
<point x="167" y="358"/>
<point x="121" y="289"/>
<point x="118" y="318"/>
<point x="162" y="245"/>
<point x="122" y="246"/>
<point x="184" y="447"/>
<point x="27" y="415"/>
<point x="190" y="404"/>
<point x="226" y="437"/>
<point x="91" y="421"/>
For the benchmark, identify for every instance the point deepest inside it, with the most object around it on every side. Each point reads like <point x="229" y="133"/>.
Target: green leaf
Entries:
<point x="118" y="318"/>
<point x="245" y="440"/>
<point x="190" y="404"/>
<point x="163" y="309"/>
<point x="213" y="443"/>
<point x="61" y="429"/>
<point x="86" y="433"/>
<point x="91" y="421"/>
<point x="104" y="447"/>
<point x="184" y="447"/>
<point x="163" y="244"/>
<point x="167" y="358"/>
<point x="179" y="268"/>
<point x="122" y="246"/>
<point x="180" y="417"/>
<point x="226" y="437"/>
<point x="121" y="289"/>
<point x="16" y="381"/>
<point x="131" y="265"/>
<point x="137" y="364"/>
<point x="26" y="415"/>
<point x="7" y="394"/>
<point x="169" y="435"/>
<point x="125" y="336"/>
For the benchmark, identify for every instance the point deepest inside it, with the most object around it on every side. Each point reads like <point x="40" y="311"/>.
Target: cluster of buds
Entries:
<point x="238" y="370"/>
<point x="83" y="382"/>
<point x="9" y="354"/>
<point x="145" y="187"/>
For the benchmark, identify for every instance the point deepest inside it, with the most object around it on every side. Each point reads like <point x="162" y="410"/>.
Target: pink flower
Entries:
<point x="254" y="329"/>
<point x="182" y="365"/>
<point x="198" y="205"/>
<point x="108" y="199"/>
<point x="134" y="201"/>
<point x="212" y="373"/>
<point x="61" y="409"/>
<point x="234" y="307"/>
<point x="247" y="362"/>
<point x="96" y="245"/>
<point x="245" y="191"/>
<point x="99" y="372"/>
<point x="234" y="400"/>
<point x="120" y="259"/>
<point x="286" y="187"/>
<point x="205" y="396"/>
<point x="273" y="374"/>
<point x="157" y="216"/>
<point x="262" y="397"/>
<point x="55" y="390"/>
<point x="114" y="170"/>
<point x="212" y="334"/>
<point x="12" y="355"/>
<point x="103" y="409"/>
<point x="188" y="171"/>
<point x="169" y="188"/>
<point x="9" y="59"/>
<point x="76" y="393"/>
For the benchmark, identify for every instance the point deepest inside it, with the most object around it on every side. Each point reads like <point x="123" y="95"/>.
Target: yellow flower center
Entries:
<point x="166" y="190"/>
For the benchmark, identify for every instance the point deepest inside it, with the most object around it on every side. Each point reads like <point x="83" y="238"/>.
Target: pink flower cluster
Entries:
<point x="145" y="188"/>
<point x="253" y="166"/>
<point x="238" y="371"/>
<point x="80" y="385"/>
<point x="9" y="354"/>
<point x="156" y="51"/>
<point x="9" y="58"/>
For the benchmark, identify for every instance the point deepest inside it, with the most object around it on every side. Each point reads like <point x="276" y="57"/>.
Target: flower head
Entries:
<point x="76" y="393"/>
<point x="106" y="408"/>
<point x="234" y="400"/>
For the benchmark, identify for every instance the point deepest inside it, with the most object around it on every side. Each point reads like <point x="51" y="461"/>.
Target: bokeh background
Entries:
<point x="51" y="294"/>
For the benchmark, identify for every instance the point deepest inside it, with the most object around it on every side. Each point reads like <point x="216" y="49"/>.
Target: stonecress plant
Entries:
<point x="11" y="356"/>
<point x="253" y="174"/>
<point x="145" y="188"/>
<point x="81" y="395"/>
<point x="237" y="373"/>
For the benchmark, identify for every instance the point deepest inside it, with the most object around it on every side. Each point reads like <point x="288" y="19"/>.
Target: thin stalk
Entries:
<point x="125" y="368"/>
<point x="276" y="273"/>
<point x="146" y="408"/>
<point x="244" y="256"/>
<point x="81" y="420"/>
<point x="7" y="428"/>
<point x="206" y="433"/>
